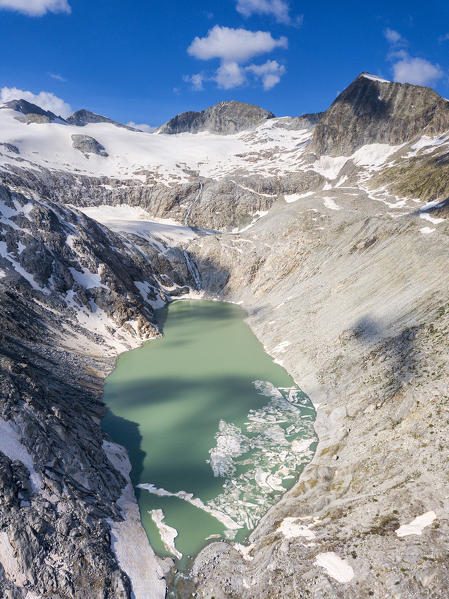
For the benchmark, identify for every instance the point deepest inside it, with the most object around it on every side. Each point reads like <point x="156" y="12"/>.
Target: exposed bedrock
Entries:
<point x="222" y="205"/>
<point x="224" y="117"/>
<point x="88" y="145"/>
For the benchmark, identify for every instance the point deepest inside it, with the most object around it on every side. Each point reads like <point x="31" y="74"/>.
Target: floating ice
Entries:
<point x="257" y="458"/>
<point x="230" y="444"/>
<point x="195" y="501"/>
<point x="168" y="533"/>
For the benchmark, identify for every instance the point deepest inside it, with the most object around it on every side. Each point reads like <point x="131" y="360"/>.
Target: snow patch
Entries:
<point x="335" y="566"/>
<point x="9" y="561"/>
<point x="293" y="197"/>
<point x="281" y="348"/>
<point x="87" y="279"/>
<point x="375" y="78"/>
<point x="330" y="166"/>
<point x="417" y="525"/>
<point x="129" y="541"/>
<point x="12" y="447"/>
<point x="292" y="529"/>
<point x="331" y="204"/>
<point x="431" y="219"/>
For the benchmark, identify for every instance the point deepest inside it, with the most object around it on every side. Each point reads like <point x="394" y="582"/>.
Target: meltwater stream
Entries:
<point x="215" y="430"/>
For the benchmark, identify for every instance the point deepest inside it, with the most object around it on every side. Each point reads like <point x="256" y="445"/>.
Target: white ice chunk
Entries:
<point x="168" y="533"/>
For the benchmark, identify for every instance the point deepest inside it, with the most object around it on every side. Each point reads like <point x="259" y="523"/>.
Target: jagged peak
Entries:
<point x="370" y="111"/>
<point x="26" y="108"/>
<point x="224" y="117"/>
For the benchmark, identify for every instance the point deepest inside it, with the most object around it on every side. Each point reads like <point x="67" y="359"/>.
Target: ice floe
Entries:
<point x="256" y="459"/>
<point x="195" y="501"/>
<point x="168" y="533"/>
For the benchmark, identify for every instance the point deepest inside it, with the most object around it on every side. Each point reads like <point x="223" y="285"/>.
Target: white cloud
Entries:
<point x="410" y="69"/>
<point x="141" y="127"/>
<point x="234" y="45"/>
<point x="45" y="100"/>
<point x="279" y="9"/>
<point x="36" y="8"/>
<point x="229" y="75"/>
<point x="394" y="37"/>
<point x="270" y="73"/>
<point x="417" y="71"/>
<point x="196" y="80"/>
<point x="57" y="77"/>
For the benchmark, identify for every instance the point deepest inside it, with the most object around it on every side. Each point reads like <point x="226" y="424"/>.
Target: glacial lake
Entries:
<point x="215" y="430"/>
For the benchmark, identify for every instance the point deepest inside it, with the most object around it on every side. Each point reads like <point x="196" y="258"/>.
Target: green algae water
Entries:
<point x="215" y="430"/>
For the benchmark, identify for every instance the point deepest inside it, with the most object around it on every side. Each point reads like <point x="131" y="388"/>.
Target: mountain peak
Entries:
<point x="371" y="77"/>
<point x="27" y="108"/>
<point x="224" y="118"/>
<point x="368" y="111"/>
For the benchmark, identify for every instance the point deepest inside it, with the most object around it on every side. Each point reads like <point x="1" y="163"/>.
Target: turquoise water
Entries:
<point x="215" y="430"/>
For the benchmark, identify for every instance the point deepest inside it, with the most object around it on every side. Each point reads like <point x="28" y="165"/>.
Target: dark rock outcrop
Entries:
<point x="32" y="112"/>
<point x="88" y="145"/>
<point x="81" y="118"/>
<point x="372" y="110"/>
<point x="224" y="118"/>
<point x="9" y="148"/>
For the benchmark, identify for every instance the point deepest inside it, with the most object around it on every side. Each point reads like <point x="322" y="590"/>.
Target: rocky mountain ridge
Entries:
<point x="224" y="118"/>
<point x="332" y="233"/>
<point x="373" y="110"/>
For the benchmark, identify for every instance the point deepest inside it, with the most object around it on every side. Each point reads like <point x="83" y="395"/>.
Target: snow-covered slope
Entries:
<point x="171" y="158"/>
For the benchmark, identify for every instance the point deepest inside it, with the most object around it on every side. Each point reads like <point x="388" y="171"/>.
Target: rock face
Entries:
<point x="80" y="118"/>
<point x="88" y="145"/>
<point x="224" y="118"/>
<point x="372" y="110"/>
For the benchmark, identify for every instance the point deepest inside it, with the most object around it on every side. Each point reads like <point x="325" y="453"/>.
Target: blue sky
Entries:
<point x="144" y="61"/>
